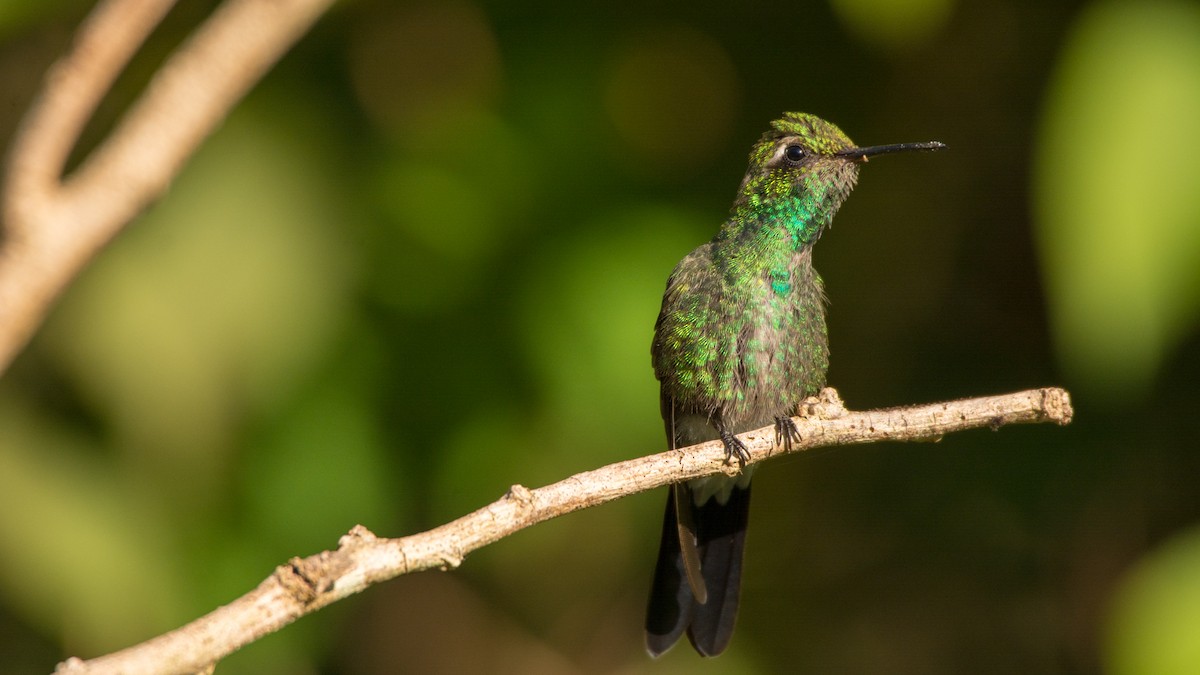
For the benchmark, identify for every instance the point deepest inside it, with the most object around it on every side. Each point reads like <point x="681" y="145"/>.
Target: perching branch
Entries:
<point x="52" y="225"/>
<point x="304" y="585"/>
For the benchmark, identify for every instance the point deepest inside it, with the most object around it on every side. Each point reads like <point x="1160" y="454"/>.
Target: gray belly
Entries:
<point x="691" y="429"/>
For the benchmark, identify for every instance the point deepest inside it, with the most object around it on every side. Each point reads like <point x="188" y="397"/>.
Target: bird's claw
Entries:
<point x="734" y="447"/>
<point x="786" y="432"/>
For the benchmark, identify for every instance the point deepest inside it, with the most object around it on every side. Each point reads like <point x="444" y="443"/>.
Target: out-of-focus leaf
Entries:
<point x="413" y="62"/>
<point x="81" y="552"/>
<point x="893" y="23"/>
<point x="321" y="471"/>
<point x="588" y="316"/>
<point x="450" y="199"/>
<point x="1155" y="615"/>
<point x="484" y="455"/>
<point x="671" y="96"/>
<point x="1116" y="198"/>
<point x="17" y="13"/>
<point x="213" y="306"/>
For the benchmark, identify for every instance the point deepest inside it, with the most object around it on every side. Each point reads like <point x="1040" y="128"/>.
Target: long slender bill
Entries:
<point x="863" y="154"/>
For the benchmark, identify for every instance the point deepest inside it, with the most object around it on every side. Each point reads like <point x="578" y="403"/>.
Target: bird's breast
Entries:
<point x="782" y="354"/>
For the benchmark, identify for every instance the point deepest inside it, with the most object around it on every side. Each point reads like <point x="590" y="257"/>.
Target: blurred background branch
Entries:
<point x="361" y="560"/>
<point x="54" y="224"/>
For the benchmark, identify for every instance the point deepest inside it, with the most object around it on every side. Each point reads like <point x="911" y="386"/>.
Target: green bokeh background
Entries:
<point x="422" y="261"/>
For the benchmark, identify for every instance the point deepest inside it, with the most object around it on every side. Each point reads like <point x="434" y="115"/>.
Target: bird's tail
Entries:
<point x="714" y="534"/>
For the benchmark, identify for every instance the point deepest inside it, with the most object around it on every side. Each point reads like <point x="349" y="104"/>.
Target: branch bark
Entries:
<point x="53" y="226"/>
<point x="304" y="585"/>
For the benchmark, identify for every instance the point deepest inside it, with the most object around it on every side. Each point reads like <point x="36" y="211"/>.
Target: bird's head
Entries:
<point x="803" y="168"/>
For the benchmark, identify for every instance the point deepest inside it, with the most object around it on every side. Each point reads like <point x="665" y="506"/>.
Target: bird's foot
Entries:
<point x="786" y="432"/>
<point x="734" y="447"/>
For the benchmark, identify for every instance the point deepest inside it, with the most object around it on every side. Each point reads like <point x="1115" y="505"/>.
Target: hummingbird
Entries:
<point x="739" y="343"/>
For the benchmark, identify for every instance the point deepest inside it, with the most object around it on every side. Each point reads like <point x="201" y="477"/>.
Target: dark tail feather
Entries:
<point x="721" y="534"/>
<point x="721" y="529"/>
<point x="670" y="604"/>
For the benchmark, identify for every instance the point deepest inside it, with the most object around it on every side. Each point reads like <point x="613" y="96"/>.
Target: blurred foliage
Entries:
<point x="1116" y="192"/>
<point x="894" y="23"/>
<point x="422" y="262"/>
<point x="1157" y="611"/>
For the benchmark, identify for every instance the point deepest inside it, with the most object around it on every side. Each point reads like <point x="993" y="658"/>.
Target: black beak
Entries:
<point x="863" y="154"/>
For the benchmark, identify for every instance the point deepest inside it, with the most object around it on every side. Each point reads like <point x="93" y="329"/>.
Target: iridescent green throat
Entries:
<point x="773" y="219"/>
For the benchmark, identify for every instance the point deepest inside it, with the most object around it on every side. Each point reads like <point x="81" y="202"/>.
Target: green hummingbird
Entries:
<point x="739" y="344"/>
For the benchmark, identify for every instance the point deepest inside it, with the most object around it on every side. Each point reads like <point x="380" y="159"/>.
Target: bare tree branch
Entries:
<point x="304" y="585"/>
<point x="54" y="226"/>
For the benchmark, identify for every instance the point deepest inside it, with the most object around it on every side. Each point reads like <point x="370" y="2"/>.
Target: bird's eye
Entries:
<point x="794" y="153"/>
